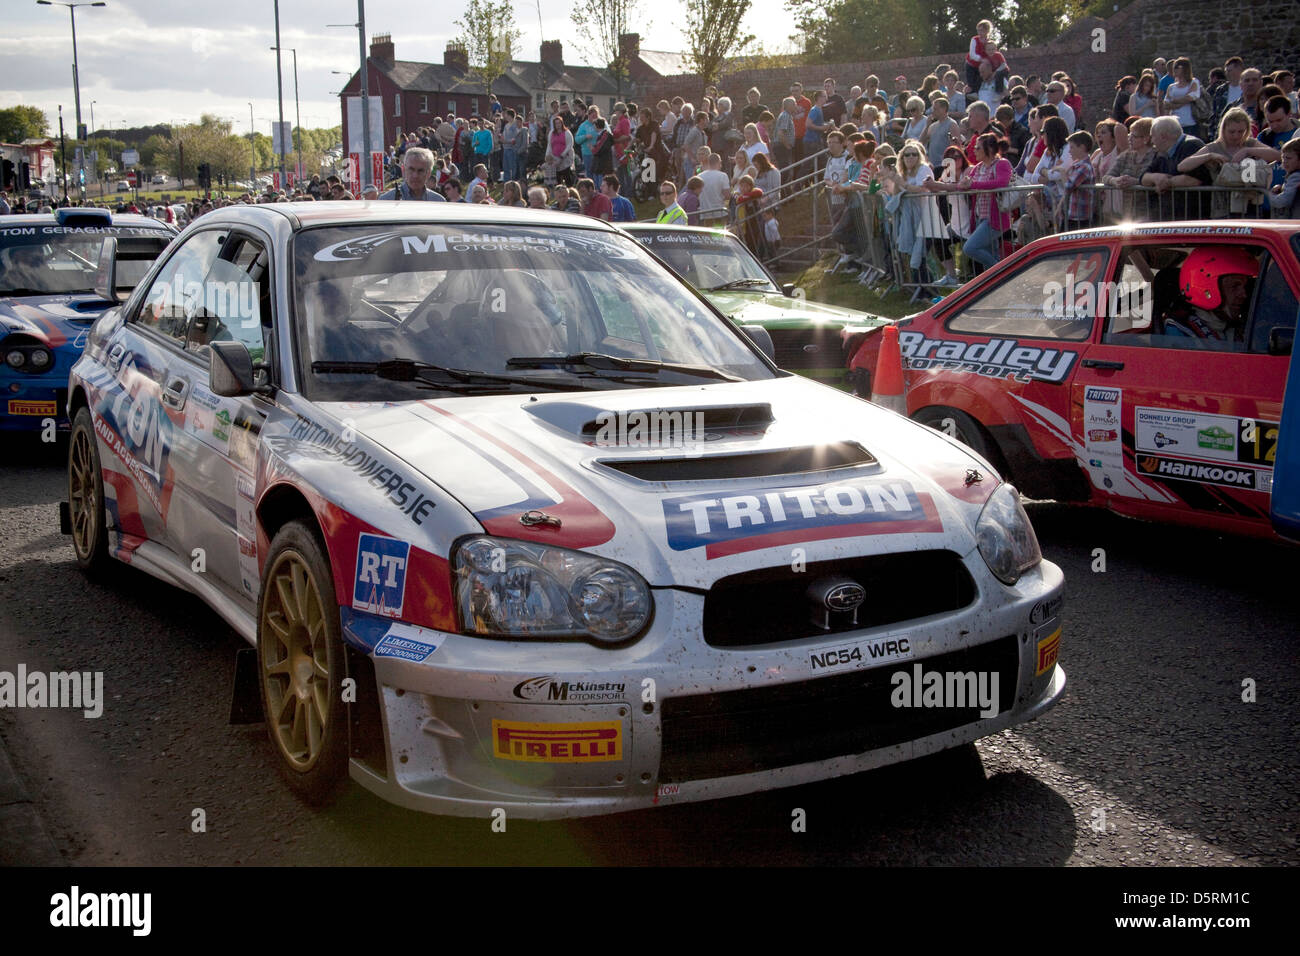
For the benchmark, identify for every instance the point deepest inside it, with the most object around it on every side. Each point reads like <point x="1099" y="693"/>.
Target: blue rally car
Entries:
<point x="48" y="303"/>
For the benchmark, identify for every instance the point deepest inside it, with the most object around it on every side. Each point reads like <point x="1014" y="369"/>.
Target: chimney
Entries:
<point x="553" y="53"/>
<point x="381" y="47"/>
<point x="629" y="45"/>
<point x="456" y="57"/>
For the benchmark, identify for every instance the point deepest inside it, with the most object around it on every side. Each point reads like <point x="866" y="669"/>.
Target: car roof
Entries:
<point x="48" y="219"/>
<point x="1192" y="229"/>
<point x="303" y="214"/>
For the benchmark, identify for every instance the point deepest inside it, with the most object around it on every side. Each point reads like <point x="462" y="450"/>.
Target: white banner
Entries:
<point x="376" y="125"/>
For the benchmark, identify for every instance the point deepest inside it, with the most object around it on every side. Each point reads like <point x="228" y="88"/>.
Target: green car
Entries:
<point x="810" y="338"/>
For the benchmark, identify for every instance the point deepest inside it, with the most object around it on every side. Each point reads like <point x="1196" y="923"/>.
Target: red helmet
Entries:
<point x="1198" y="279"/>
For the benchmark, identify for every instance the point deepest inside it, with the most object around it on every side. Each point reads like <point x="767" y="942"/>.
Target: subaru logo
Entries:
<point x="845" y="597"/>
<point x="834" y="595"/>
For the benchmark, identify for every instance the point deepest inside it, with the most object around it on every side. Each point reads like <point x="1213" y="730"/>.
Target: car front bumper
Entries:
<point x="570" y="730"/>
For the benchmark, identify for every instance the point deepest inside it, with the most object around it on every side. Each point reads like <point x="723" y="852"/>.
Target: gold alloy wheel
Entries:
<point x="295" y="668"/>
<point x="83" y="503"/>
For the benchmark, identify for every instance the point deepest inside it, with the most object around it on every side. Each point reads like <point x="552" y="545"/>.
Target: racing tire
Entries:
<point x="301" y="664"/>
<point x="86" y="496"/>
<point x="957" y="424"/>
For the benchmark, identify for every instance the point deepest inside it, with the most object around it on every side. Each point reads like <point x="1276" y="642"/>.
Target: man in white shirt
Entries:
<point x="714" y="195"/>
<point x="1056" y="96"/>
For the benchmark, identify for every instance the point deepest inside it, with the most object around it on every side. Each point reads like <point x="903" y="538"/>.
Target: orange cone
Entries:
<point x="887" y="383"/>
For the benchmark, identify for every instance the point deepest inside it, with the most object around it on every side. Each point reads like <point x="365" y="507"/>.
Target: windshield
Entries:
<point x="560" y="308"/>
<point x="707" y="260"/>
<point x="59" y="260"/>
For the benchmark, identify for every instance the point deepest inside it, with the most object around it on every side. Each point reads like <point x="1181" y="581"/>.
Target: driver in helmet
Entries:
<point x="25" y="266"/>
<point x="522" y="316"/>
<point x="1215" y="281"/>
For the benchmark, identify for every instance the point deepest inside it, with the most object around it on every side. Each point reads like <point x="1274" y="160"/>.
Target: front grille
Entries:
<point x="812" y="347"/>
<point x="771" y="605"/>
<point x="745" y="731"/>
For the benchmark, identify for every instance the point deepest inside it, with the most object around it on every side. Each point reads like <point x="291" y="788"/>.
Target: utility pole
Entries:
<point x="297" y="139"/>
<point x="63" y="154"/>
<point x="279" y="88"/>
<point x="76" y="82"/>
<point x="364" y="171"/>
<point x="252" y="142"/>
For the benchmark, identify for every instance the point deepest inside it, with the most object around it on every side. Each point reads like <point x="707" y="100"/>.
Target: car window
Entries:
<point x="1147" y="305"/>
<point x="1054" y="297"/>
<point x="1275" y="307"/>
<point x="51" y="259"/>
<point x="706" y="259"/>
<point x="235" y="300"/>
<point x="176" y="293"/>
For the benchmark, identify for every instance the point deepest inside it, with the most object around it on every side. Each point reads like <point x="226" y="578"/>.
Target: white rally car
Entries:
<point x="515" y="519"/>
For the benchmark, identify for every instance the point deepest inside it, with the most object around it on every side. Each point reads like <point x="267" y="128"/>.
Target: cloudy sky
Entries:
<point x="160" y="61"/>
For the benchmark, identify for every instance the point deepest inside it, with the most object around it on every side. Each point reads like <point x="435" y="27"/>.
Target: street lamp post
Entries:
<point x="360" y="26"/>
<point x="297" y="140"/>
<point x="279" y="88"/>
<point x="76" y="82"/>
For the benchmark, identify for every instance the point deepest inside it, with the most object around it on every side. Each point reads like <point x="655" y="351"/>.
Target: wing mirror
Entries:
<point x="762" y="338"/>
<point x="1281" y="340"/>
<point x="230" y="370"/>
<point x="106" y="272"/>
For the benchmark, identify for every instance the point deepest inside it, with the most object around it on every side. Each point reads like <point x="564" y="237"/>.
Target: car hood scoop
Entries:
<point x="756" y="464"/>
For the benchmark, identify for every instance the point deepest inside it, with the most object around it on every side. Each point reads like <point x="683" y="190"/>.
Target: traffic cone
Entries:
<point x="887" y="383"/>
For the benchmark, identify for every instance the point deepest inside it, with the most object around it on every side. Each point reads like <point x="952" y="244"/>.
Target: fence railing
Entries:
<point x="930" y="242"/>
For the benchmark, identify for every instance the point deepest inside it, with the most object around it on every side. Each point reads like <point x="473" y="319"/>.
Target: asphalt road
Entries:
<point x="1153" y="737"/>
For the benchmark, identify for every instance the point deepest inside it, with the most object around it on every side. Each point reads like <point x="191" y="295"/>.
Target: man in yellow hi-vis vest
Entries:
<point x="673" y="214"/>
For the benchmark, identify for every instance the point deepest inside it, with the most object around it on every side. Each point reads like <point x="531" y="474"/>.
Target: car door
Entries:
<point x="140" y="406"/>
<point x="1199" y="415"/>
<point x="225" y="430"/>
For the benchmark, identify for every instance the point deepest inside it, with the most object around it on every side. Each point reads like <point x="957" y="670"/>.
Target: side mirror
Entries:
<point x="230" y="369"/>
<point x="787" y="290"/>
<point x="106" y="272"/>
<point x="1281" y="340"/>
<point x="762" y="338"/>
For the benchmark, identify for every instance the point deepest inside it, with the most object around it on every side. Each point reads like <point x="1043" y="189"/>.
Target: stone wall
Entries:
<point x="1265" y="34"/>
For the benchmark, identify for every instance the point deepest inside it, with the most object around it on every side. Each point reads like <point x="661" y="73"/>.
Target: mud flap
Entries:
<point x="246" y="698"/>
<point x="65" y="518"/>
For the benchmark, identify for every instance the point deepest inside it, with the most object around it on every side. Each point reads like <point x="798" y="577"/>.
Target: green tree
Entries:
<point x="1024" y="22"/>
<point x="851" y="30"/>
<point x="598" y="25"/>
<point x="18" y="123"/>
<point x="713" y="34"/>
<point x="488" y="33"/>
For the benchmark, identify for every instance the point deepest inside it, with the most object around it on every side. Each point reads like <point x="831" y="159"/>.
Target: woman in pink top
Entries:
<point x="992" y="172"/>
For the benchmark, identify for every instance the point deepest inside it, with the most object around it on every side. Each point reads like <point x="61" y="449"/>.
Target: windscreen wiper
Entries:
<point x="411" y="370"/>
<point x="602" y="361"/>
<point x="736" y="284"/>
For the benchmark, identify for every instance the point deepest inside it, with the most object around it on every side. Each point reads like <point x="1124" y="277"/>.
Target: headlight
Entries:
<point x="509" y="588"/>
<point x="39" y="358"/>
<point x="1006" y="538"/>
<point x="15" y="358"/>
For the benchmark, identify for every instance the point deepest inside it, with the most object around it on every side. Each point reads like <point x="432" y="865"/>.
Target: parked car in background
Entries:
<point x="48" y="268"/>
<point x="811" y="338"/>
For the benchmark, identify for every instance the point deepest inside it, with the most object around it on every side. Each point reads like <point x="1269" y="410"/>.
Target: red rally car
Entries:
<point x="1138" y="368"/>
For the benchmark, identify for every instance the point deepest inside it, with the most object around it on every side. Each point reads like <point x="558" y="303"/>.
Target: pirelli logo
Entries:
<point x="1048" y="649"/>
<point x="590" y="742"/>
<point x="18" y="407"/>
